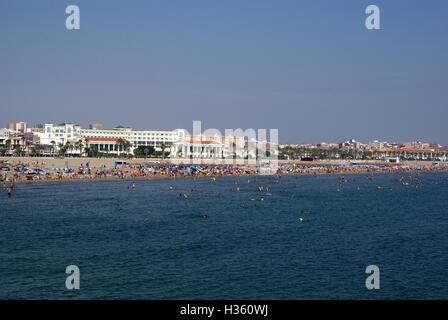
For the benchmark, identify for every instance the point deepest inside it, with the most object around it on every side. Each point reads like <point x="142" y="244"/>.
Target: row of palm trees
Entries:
<point x="83" y="147"/>
<point x="335" y="153"/>
<point x="20" y="148"/>
<point x="80" y="147"/>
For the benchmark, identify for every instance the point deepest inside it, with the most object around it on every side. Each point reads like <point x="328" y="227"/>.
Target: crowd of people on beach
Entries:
<point x="85" y="172"/>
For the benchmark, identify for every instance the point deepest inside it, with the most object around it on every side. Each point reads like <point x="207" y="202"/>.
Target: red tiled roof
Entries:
<point x="202" y="142"/>
<point x="104" y="139"/>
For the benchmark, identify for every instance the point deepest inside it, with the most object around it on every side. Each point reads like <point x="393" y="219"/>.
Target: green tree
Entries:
<point x="53" y="146"/>
<point x="62" y="149"/>
<point x="144" y="151"/>
<point x="127" y="146"/>
<point x="28" y="145"/>
<point x="36" y="150"/>
<point x="8" y="145"/>
<point x="69" y="147"/>
<point x="164" y="146"/>
<point x="18" y="150"/>
<point x="120" y="144"/>
<point x="79" y="145"/>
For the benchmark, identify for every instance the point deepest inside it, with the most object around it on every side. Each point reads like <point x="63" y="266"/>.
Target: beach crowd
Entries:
<point x="85" y="172"/>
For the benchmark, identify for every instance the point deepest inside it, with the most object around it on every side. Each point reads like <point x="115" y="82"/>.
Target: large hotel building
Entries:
<point x="65" y="132"/>
<point x="136" y="137"/>
<point x="178" y="143"/>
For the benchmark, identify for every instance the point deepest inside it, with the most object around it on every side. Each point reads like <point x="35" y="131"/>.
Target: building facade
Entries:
<point x="17" y="126"/>
<point x="196" y="150"/>
<point x="4" y="136"/>
<point x="62" y="133"/>
<point x="137" y="138"/>
<point x="105" y="145"/>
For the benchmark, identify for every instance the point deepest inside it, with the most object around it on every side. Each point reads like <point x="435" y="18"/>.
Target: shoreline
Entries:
<point x="164" y="177"/>
<point x="56" y="170"/>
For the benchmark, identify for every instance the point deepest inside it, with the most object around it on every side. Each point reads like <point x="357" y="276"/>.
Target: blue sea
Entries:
<point x="312" y="237"/>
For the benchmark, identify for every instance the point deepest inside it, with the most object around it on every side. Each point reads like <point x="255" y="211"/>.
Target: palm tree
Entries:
<point x="86" y="143"/>
<point x="163" y="147"/>
<point x="53" y="147"/>
<point x="27" y="145"/>
<point x="62" y="149"/>
<point x="18" y="150"/>
<point x="79" y="146"/>
<point x="127" y="145"/>
<point x="69" y="147"/>
<point x="121" y="145"/>
<point x="23" y="143"/>
<point x="36" y="149"/>
<point x="8" y="145"/>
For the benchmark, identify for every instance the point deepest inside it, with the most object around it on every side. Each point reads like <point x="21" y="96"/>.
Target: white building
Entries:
<point x="62" y="133"/>
<point x="105" y="145"/>
<point x="231" y="146"/>
<point x="137" y="138"/>
<point x="4" y="135"/>
<point x="189" y="149"/>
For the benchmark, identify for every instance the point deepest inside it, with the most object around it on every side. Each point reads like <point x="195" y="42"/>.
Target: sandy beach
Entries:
<point x="95" y="163"/>
<point x="58" y="169"/>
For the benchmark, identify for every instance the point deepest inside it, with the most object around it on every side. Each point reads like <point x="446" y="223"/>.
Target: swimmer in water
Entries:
<point x="9" y="192"/>
<point x="171" y="188"/>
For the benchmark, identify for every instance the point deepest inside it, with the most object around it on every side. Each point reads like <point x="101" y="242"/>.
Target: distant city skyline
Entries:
<point x="308" y="68"/>
<point x="24" y="126"/>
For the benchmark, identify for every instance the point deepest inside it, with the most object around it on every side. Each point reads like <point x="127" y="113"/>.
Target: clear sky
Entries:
<point x="308" y="68"/>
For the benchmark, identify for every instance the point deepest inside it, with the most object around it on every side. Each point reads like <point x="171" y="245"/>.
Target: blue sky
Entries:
<point x="309" y="68"/>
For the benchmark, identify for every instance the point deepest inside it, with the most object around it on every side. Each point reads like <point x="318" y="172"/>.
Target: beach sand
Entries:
<point x="104" y="169"/>
<point x="96" y="163"/>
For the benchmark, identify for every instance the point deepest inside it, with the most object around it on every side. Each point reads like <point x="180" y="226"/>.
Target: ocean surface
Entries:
<point x="150" y="243"/>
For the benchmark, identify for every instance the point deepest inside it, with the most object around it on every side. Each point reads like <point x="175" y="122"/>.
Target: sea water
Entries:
<point x="312" y="237"/>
